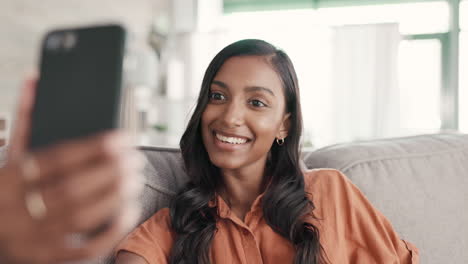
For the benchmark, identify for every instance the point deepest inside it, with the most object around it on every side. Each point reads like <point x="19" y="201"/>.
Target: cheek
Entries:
<point x="207" y="114"/>
<point x="265" y="128"/>
<point x="207" y="118"/>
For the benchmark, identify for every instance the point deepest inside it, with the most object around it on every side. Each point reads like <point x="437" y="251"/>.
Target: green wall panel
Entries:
<point x="258" y="5"/>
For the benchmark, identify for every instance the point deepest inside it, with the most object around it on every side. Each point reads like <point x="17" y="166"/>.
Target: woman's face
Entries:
<point x="245" y="113"/>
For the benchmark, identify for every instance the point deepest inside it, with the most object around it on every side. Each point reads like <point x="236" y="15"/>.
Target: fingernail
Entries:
<point x="31" y="74"/>
<point x="116" y="142"/>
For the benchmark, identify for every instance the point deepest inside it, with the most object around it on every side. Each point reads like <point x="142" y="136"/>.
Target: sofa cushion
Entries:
<point x="420" y="183"/>
<point x="164" y="177"/>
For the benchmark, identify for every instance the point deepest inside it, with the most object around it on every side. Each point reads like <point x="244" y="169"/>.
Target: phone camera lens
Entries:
<point x="53" y="42"/>
<point x="69" y="40"/>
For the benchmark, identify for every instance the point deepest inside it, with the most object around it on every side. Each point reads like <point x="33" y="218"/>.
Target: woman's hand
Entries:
<point x="70" y="201"/>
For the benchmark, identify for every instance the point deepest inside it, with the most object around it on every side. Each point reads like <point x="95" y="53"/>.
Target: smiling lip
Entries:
<point x="230" y="142"/>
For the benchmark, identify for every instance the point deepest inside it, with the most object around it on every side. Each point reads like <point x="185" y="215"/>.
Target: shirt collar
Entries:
<point x="225" y="212"/>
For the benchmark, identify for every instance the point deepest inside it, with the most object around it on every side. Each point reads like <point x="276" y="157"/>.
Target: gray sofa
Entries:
<point x="420" y="183"/>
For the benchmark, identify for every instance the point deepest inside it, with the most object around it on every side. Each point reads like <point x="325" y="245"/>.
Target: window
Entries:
<point x="463" y="70"/>
<point x="420" y="89"/>
<point x="364" y="71"/>
<point x="308" y="37"/>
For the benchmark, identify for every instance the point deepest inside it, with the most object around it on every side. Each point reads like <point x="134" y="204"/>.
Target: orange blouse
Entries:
<point x="351" y="230"/>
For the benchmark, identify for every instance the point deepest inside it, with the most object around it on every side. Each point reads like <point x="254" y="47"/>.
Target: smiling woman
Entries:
<point x="248" y="200"/>
<point x="243" y="116"/>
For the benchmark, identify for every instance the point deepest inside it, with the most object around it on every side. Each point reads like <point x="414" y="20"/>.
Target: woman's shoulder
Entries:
<point x="314" y="178"/>
<point x="329" y="187"/>
<point x="151" y="240"/>
<point x="159" y="222"/>
<point x="346" y="215"/>
<point x="161" y="218"/>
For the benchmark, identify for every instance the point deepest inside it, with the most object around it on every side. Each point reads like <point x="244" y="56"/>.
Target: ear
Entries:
<point x="284" y="128"/>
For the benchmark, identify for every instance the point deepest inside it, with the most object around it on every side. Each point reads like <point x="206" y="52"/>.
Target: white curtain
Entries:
<point x="365" y="91"/>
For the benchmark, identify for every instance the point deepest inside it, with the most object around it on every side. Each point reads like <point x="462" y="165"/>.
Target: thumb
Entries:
<point x="22" y="126"/>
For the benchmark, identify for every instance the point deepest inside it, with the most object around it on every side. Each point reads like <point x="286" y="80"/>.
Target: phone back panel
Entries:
<point x="79" y="89"/>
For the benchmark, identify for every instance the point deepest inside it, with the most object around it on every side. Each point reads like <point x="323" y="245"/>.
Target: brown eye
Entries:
<point x="214" y="96"/>
<point x="257" y="103"/>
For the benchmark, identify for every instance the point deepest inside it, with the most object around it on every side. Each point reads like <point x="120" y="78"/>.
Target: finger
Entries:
<point x="85" y="186"/>
<point x="22" y="125"/>
<point x="66" y="157"/>
<point x="95" y="215"/>
<point x="11" y="185"/>
<point x="78" y="187"/>
<point x="103" y="243"/>
<point x="87" y="218"/>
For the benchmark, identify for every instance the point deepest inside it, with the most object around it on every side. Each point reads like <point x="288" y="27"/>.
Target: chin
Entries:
<point x="226" y="163"/>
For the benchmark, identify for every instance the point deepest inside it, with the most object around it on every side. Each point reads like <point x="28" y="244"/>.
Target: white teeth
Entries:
<point x="231" y="140"/>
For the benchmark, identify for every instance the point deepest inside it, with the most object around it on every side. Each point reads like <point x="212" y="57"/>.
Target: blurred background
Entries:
<point x="367" y="68"/>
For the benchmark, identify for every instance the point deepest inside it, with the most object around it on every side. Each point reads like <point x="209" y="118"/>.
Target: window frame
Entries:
<point x="449" y="111"/>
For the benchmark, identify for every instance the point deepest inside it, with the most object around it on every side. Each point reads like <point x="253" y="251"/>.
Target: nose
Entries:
<point x="233" y="114"/>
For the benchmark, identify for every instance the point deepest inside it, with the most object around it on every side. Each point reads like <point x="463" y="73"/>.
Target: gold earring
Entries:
<point x="280" y="141"/>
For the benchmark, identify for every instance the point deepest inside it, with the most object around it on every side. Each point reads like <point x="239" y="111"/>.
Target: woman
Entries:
<point x="248" y="200"/>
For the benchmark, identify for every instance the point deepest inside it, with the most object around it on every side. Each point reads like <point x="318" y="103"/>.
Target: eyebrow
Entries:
<point x="248" y="88"/>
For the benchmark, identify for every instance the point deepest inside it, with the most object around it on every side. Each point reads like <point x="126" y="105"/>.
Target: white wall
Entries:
<point x="23" y="22"/>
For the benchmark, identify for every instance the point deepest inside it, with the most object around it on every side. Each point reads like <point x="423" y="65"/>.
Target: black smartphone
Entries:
<point x="79" y="86"/>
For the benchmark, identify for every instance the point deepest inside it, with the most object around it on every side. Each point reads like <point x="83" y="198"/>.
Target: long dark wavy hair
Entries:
<point x="284" y="204"/>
